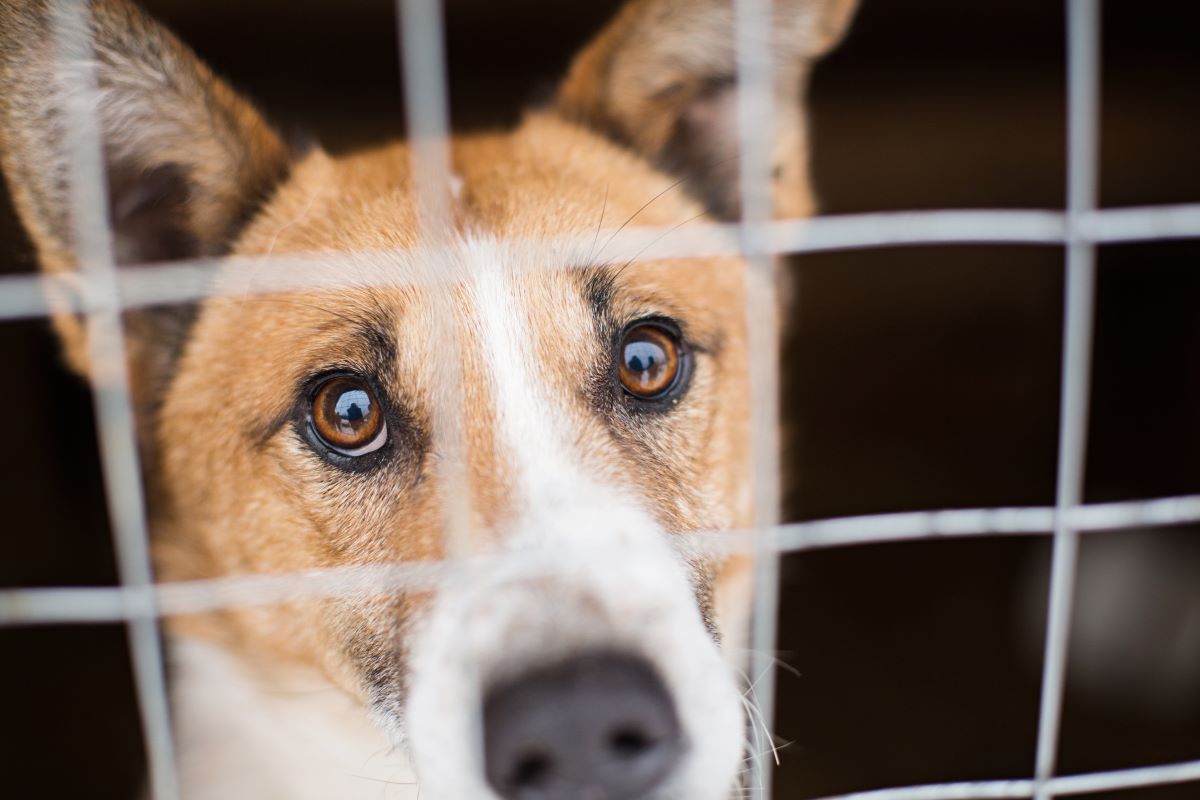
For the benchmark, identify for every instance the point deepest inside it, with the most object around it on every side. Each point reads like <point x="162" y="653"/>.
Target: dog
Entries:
<point x="599" y="411"/>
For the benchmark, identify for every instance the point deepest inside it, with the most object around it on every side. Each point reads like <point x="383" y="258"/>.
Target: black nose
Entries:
<point x="600" y="727"/>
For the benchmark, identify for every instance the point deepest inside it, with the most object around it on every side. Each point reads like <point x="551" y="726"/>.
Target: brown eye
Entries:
<point x="649" y="361"/>
<point x="347" y="417"/>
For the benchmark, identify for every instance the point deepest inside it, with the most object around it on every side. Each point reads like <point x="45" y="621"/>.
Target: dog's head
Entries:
<point x="570" y="416"/>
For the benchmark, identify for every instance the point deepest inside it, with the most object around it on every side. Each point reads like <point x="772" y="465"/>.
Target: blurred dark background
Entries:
<point x="920" y="377"/>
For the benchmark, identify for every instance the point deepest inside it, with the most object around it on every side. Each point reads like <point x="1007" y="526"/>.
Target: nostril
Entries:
<point x="532" y="770"/>
<point x="627" y="743"/>
<point x="601" y="726"/>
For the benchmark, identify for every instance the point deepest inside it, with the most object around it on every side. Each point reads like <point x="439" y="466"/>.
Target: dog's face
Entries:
<point x="566" y="414"/>
<point x="581" y="462"/>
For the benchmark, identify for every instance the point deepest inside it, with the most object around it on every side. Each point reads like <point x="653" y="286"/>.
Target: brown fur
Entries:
<point x="521" y="184"/>
<point x="661" y="79"/>
<point x="239" y="492"/>
<point x="188" y="160"/>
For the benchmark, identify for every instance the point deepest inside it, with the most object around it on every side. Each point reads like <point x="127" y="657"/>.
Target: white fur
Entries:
<point x="286" y="735"/>
<point x="584" y="567"/>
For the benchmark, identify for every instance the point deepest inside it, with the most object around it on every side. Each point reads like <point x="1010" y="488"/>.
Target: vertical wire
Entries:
<point x="427" y="110"/>
<point x="110" y="381"/>
<point x="755" y="128"/>
<point x="1083" y="90"/>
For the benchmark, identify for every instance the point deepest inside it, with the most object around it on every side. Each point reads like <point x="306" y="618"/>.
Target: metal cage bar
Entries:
<point x="101" y="290"/>
<point x="427" y="110"/>
<point x="755" y="118"/>
<point x="108" y="374"/>
<point x="82" y="605"/>
<point x="24" y="296"/>
<point x="1083" y="132"/>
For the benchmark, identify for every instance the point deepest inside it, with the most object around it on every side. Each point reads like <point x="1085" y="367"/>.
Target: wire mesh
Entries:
<point x="68" y="605"/>
<point x="1083" y="66"/>
<point x="25" y="296"/>
<point x="110" y="380"/>
<point x="101" y="291"/>
<point x="755" y="110"/>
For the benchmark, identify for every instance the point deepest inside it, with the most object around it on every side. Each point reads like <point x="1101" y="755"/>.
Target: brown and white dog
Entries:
<point x="602" y="412"/>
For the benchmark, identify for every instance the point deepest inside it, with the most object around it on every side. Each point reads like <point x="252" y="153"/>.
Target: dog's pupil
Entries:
<point x="353" y="406"/>
<point x="649" y="361"/>
<point x="345" y="414"/>
<point x="643" y="356"/>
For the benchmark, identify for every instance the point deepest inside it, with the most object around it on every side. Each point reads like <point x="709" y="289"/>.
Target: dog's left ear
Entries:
<point x="662" y="79"/>
<point x="186" y="160"/>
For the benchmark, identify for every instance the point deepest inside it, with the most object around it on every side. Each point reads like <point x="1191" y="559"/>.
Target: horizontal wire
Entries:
<point x="1112" y="225"/>
<point x="102" y="604"/>
<point x="904" y="526"/>
<point x="1108" y="781"/>
<point x="25" y="296"/>
<point x="966" y="790"/>
<point x="1114" y="780"/>
<point x="34" y="295"/>
<point x="108" y="604"/>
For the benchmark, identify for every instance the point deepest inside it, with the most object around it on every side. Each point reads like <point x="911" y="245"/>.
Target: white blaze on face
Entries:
<point x="531" y="424"/>
<point x="582" y="567"/>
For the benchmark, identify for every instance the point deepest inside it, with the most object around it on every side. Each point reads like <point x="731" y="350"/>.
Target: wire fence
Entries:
<point x="102" y="291"/>
<point x="110" y="382"/>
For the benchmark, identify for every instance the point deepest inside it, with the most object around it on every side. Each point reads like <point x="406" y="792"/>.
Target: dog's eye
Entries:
<point x="649" y="361"/>
<point x="347" y="417"/>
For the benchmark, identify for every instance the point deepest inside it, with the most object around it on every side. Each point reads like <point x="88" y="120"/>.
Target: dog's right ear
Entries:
<point x="662" y="80"/>
<point x="187" y="161"/>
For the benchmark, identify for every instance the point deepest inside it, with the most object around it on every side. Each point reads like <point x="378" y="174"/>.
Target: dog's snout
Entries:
<point x="601" y="727"/>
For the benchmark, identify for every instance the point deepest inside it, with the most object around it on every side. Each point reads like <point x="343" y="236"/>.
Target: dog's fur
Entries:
<point x="580" y="499"/>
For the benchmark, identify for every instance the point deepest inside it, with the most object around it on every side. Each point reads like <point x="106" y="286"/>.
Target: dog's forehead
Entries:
<point x="393" y="318"/>
<point x="544" y="179"/>
<point x="512" y="194"/>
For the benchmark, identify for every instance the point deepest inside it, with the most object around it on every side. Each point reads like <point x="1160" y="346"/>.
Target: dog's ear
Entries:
<point x="661" y="78"/>
<point x="187" y="161"/>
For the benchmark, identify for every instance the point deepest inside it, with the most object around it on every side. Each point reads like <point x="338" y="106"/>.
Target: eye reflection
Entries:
<point x="346" y="416"/>
<point x="649" y="361"/>
<point x="352" y="408"/>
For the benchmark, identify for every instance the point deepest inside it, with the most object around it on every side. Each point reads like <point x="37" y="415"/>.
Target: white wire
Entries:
<point x="428" y="113"/>
<point x="101" y="291"/>
<point x="881" y="528"/>
<point x="427" y="109"/>
<point x="1083" y="96"/>
<point x="756" y="124"/>
<point x="1112" y="225"/>
<point x="1086" y="783"/>
<point x="83" y="605"/>
<point x="72" y="28"/>
<point x="69" y="605"/>
<point x="966" y="790"/>
<point x="24" y="295"/>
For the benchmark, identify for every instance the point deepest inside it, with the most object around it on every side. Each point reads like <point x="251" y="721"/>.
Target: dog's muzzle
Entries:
<point x="574" y="666"/>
